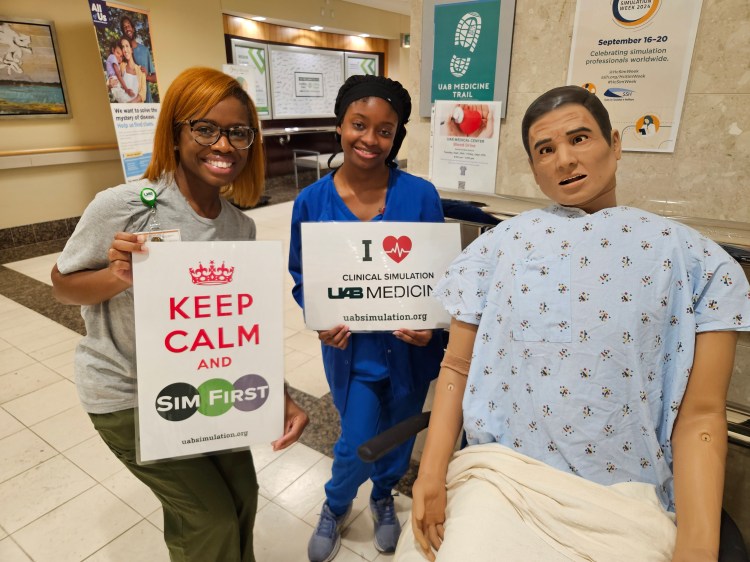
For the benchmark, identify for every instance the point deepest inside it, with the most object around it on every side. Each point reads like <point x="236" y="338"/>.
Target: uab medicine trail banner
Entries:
<point x="376" y="276"/>
<point x="465" y="50"/>
<point x="209" y="342"/>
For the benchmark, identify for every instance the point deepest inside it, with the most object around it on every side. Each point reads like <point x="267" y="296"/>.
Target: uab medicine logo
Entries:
<point x="178" y="401"/>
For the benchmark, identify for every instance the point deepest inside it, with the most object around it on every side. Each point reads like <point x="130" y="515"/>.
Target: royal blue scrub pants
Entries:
<point x="370" y="410"/>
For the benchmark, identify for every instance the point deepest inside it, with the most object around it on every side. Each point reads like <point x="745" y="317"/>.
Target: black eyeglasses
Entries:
<point x="207" y="133"/>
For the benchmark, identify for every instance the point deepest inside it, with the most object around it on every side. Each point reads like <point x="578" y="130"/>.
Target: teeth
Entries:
<point x="219" y="163"/>
<point x="566" y="181"/>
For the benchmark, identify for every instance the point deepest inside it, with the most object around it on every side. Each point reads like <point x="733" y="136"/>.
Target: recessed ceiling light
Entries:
<point x="258" y="18"/>
<point x="317" y="28"/>
<point x="365" y="35"/>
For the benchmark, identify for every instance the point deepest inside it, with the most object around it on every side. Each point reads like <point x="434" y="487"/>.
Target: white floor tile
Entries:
<point x="307" y="491"/>
<point x="11" y="552"/>
<point x="77" y="528"/>
<point x="157" y="519"/>
<point x="142" y="542"/>
<point x="309" y="377"/>
<point x="132" y="491"/>
<point x="12" y="359"/>
<point x="21" y="451"/>
<point x="56" y="335"/>
<point x="306" y="342"/>
<point x="39" y="490"/>
<point x="57" y="349"/>
<point x="358" y="536"/>
<point x="67" y="370"/>
<point x="38" y="268"/>
<point x="25" y="380"/>
<point x="294" y="358"/>
<point x="21" y="322"/>
<point x="4" y="344"/>
<point x="43" y="403"/>
<point x="24" y="336"/>
<point x="64" y="358"/>
<point x="94" y="457"/>
<point x="3" y="534"/>
<point x="293" y="317"/>
<point x="8" y="424"/>
<point x="276" y="476"/>
<point x="263" y="454"/>
<point x="279" y="535"/>
<point x="66" y="429"/>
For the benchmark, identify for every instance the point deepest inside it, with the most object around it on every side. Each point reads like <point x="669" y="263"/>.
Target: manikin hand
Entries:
<point x="428" y="513"/>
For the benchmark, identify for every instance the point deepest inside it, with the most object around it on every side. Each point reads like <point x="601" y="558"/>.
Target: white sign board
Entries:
<point x="209" y="342"/>
<point x="376" y="275"/>
<point x="636" y="57"/>
<point x="464" y="144"/>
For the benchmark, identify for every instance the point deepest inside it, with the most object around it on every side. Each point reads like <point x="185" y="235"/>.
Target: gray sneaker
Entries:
<point x="387" y="527"/>
<point x="326" y="540"/>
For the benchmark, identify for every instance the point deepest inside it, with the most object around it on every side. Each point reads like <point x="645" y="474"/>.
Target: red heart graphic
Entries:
<point x="397" y="248"/>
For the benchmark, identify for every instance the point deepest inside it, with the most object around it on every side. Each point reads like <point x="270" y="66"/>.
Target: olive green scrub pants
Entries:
<point x="209" y="501"/>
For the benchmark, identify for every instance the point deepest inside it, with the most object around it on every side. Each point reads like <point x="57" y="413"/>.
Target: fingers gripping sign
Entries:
<point x="337" y="336"/>
<point x="120" y="254"/>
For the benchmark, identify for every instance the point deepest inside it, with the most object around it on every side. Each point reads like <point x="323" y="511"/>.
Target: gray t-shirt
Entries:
<point x="105" y="366"/>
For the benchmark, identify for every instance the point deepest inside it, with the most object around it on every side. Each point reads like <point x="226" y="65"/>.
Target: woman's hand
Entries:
<point x="295" y="421"/>
<point x="428" y="513"/>
<point x="337" y="337"/>
<point x="420" y="338"/>
<point x="120" y="254"/>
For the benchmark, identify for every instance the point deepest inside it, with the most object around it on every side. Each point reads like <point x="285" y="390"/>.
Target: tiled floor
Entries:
<point x="64" y="496"/>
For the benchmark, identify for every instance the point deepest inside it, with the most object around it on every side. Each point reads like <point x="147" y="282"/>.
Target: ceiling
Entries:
<point x="398" y="6"/>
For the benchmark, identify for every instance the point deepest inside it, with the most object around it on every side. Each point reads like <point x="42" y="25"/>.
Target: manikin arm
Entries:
<point x="429" y="497"/>
<point x="699" y="445"/>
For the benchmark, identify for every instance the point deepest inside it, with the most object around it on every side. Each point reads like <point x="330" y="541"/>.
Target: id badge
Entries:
<point x="172" y="235"/>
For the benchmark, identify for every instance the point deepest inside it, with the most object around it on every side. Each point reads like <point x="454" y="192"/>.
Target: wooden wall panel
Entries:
<point x="261" y="31"/>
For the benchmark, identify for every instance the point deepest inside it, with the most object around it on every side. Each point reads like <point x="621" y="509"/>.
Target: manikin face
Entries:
<point x="367" y="132"/>
<point x="212" y="167"/>
<point x="571" y="160"/>
<point x="127" y="29"/>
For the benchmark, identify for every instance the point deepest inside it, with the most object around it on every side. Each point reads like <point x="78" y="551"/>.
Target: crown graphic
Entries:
<point x="211" y="275"/>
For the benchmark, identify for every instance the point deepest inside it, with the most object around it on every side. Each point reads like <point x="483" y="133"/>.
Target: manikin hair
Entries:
<point x="556" y="97"/>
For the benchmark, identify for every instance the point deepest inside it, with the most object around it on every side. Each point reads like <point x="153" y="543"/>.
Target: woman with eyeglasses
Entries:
<point x="205" y="148"/>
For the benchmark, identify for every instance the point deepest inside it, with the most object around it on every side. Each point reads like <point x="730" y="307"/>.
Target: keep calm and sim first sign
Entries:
<point x="209" y="341"/>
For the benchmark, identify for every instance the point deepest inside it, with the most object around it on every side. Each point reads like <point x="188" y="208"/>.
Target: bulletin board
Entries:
<point x="304" y="81"/>
<point x="254" y="55"/>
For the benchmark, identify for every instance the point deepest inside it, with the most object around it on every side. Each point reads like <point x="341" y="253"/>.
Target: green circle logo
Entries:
<point x="216" y="397"/>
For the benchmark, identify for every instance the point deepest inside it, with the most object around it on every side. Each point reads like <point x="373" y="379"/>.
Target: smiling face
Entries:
<point x="127" y="28"/>
<point x="127" y="50"/>
<point x="572" y="161"/>
<point x="367" y="132"/>
<point x="212" y="167"/>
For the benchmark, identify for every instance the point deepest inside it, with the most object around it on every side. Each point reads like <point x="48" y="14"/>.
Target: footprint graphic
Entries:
<point x="467" y="35"/>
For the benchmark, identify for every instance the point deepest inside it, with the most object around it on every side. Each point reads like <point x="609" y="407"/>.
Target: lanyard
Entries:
<point x="148" y="198"/>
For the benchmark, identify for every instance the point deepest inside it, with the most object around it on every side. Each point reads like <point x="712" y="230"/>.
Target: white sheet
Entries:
<point x="506" y="506"/>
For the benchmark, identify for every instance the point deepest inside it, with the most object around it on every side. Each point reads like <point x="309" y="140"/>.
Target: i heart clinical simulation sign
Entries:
<point x="376" y="276"/>
<point x="209" y="342"/>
